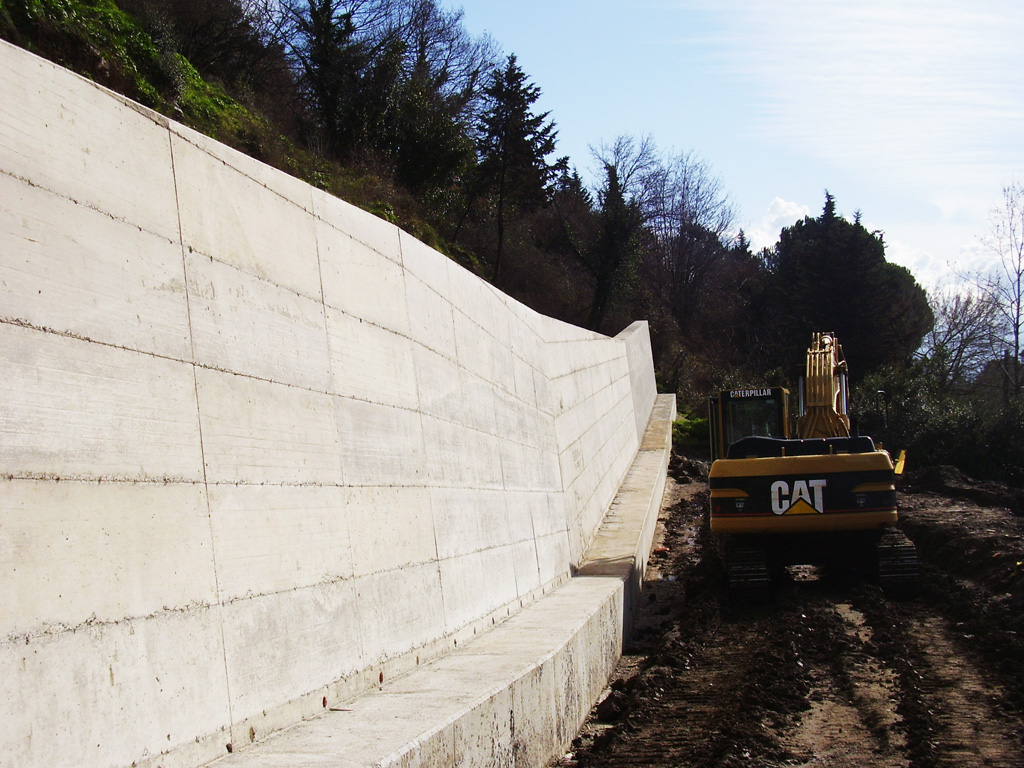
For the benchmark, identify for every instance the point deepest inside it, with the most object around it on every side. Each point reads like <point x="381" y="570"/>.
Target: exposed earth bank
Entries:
<point x="831" y="671"/>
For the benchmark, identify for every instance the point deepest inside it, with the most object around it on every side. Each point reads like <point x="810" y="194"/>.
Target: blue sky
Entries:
<point x="910" y="111"/>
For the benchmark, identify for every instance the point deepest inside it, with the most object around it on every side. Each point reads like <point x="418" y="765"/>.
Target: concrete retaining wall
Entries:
<point x="259" y="450"/>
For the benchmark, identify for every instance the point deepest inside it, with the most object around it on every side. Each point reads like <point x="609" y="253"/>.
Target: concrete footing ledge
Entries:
<point x="517" y="694"/>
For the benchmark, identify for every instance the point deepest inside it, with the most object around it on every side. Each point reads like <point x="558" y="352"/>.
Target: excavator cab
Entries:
<point x="738" y="413"/>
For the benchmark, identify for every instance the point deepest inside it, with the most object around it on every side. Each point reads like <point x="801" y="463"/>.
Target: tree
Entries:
<point x="828" y="274"/>
<point x="319" y="37"/>
<point x="690" y="217"/>
<point x="441" y="87"/>
<point x="1004" y="287"/>
<point x="440" y="54"/>
<point x="613" y="257"/>
<point x="573" y="206"/>
<point x="513" y="145"/>
<point x="387" y="84"/>
<point x="611" y="250"/>
<point x="958" y="347"/>
<point x="220" y="38"/>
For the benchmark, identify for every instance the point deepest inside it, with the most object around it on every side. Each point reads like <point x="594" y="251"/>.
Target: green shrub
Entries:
<point x="689" y="433"/>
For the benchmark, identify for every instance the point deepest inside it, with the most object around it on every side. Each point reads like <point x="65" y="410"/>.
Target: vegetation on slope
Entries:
<point x="393" y="106"/>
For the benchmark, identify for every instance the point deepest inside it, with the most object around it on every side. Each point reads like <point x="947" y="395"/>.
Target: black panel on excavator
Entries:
<point x="768" y="447"/>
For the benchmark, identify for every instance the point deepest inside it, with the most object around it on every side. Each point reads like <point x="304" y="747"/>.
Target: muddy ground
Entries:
<point x="831" y="671"/>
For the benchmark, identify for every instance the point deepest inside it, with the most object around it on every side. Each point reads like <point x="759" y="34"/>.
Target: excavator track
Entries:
<point x="747" y="569"/>
<point x="897" y="561"/>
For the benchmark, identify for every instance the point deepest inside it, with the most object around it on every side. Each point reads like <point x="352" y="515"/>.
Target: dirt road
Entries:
<point x="831" y="671"/>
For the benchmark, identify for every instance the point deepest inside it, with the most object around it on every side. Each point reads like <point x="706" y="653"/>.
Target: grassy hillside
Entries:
<point x="99" y="40"/>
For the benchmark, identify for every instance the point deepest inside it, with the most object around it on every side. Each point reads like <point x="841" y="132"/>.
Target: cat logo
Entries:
<point x="806" y="498"/>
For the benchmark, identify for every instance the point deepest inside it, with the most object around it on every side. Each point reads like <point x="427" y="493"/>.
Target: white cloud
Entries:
<point x="780" y="213"/>
<point x="966" y="204"/>
<point x="916" y="91"/>
<point x="927" y="270"/>
<point x="925" y="253"/>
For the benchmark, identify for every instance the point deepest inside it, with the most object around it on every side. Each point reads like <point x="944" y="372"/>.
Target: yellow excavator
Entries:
<point x="824" y="497"/>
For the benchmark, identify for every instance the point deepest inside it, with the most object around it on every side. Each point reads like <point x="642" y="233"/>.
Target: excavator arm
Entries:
<point x="824" y="411"/>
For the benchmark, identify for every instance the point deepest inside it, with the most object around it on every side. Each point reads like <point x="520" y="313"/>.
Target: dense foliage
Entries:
<point x="829" y="273"/>
<point x="394" y="106"/>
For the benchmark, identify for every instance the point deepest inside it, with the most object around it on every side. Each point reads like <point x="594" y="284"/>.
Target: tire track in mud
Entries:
<point x="689" y="700"/>
<point x="956" y="711"/>
<point x="851" y="720"/>
<point x="831" y="674"/>
<point x="970" y="729"/>
<point x="707" y="700"/>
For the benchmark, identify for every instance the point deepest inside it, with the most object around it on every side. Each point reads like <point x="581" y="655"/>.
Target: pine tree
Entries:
<point x="513" y="145"/>
<point x="614" y="257"/>
<point x="828" y="274"/>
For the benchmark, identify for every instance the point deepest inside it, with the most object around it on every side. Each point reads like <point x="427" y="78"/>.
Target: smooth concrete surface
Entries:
<point x="517" y="694"/>
<point x="514" y="696"/>
<point x="258" y="448"/>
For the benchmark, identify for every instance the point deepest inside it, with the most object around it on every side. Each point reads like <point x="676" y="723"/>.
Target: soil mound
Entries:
<point x="950" y="481"/>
